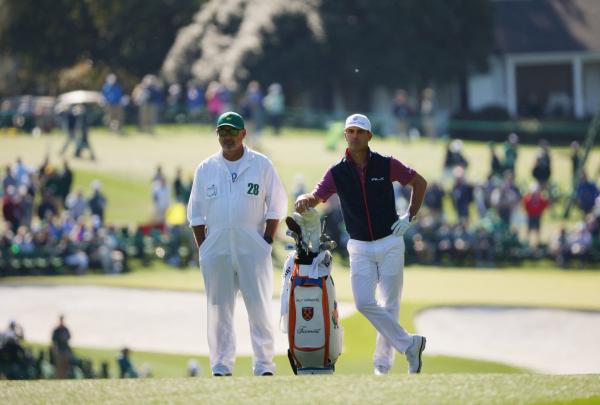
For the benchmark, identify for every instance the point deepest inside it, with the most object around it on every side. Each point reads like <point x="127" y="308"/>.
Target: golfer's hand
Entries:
<point x="302" y="204"/>
<point x="401" y="225"/>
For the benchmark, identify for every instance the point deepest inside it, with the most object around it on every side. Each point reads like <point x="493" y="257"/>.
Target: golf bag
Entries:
<point x="308" y="303"/>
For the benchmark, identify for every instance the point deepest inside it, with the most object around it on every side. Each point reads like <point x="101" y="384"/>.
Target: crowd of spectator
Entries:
<point x="59" y="360"/>
<point x="51" y="228"/>
<point x="150" y="101"/>
<point x="496" y="222"/>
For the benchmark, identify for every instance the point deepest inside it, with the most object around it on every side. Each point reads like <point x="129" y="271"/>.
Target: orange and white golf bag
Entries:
<point x="309" y="312"/>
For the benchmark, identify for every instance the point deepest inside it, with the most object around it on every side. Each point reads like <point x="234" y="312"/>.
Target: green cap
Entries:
<point x="232" y="119"/>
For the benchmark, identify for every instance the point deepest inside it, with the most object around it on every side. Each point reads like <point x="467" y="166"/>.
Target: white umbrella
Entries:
<point x="81" y="97"/>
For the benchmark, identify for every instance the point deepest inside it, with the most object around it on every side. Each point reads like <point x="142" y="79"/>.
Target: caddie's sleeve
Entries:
<point x="196" y="209"/>
<point x="276" y="199"/>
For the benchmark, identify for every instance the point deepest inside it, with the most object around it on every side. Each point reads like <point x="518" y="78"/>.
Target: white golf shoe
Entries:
<point x="413" y="354"/>
<point x="380" y="370"/>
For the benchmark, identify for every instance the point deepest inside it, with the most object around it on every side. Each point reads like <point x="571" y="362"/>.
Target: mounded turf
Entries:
<point x="451" y="389"/>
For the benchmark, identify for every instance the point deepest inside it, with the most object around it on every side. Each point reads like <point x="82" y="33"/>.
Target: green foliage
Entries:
<point x="128" y="36"/>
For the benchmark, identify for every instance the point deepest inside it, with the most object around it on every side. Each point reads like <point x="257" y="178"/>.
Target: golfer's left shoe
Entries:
<point x="413" y="354"/>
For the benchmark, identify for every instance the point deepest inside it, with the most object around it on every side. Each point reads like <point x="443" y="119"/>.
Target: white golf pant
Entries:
<point x="250" y="272"/>
<point x="378" y="266"/>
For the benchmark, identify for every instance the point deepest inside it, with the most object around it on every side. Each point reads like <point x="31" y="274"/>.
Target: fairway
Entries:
<point x="464" y="389"/>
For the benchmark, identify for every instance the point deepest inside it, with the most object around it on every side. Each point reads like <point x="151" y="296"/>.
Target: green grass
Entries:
<point x="452" y="389"/>
<point x="422" y="285"/>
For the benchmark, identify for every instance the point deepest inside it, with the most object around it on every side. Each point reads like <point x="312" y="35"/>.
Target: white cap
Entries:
<point x="358" y="120"/>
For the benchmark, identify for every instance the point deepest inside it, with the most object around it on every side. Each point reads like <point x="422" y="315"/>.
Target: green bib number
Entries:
<point x="253" y="188"/>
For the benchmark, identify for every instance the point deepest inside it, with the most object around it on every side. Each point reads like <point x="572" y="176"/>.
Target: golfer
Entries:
<point x="363" y="181"/>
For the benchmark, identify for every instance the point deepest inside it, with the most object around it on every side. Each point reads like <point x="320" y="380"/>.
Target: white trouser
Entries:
<point x="380" y="264"/>
<point x="225" y="275"/>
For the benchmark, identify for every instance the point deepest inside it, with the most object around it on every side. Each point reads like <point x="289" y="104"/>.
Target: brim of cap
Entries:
<point x="229" y="125"/>
<point x="357" y="126"/>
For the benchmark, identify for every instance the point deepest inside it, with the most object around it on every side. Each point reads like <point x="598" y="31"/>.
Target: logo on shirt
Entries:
<point x="377" y="179"/>
<point x="211" y="191"/>
<point x="234" y="176"/>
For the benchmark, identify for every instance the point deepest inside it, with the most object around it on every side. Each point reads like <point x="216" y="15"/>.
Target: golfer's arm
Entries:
<point x="199" y="234"/>
<point x="419" y="185"/>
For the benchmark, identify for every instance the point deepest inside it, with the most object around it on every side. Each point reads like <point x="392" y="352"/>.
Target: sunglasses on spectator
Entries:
<point x="228" y="131"/>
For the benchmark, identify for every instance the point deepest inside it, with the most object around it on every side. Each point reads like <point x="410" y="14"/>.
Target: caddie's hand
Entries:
<point x="401" y="225"/>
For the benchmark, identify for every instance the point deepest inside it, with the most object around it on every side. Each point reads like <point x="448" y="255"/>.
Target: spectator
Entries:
<point x="25" y="201"/>
<point x="402" y="112"/>
<point x="274" y="105"/>
<point x="64" y="183"/>
<point x="126" y="368"/>
<point x="462" y="195"/>
<point x="83" y="143"/>
<point x="427" y="110"/>
<point x="434" y="200"/>
<point x="76" y="204"/>
<point x="535" y="204"/>
<point x="180" y="191"/>
<point x="22" y="173"/>
<point x="496" y="169"/>
<point x="542" y="167"/>
<point x="214" y="103"/>
<point x="253" y="110"/>
<point x="194" y="101"/>
<point x="97" y="202"/>
<point x="454" y="157"/>
<point x="299" y="186"/>
<point x="506" y="198"/>
<point x="160" y="197"/>
<point x="575" y="160"/>
<point x="69" y="126"/>
<point x="11" y="210"/>
<point x="146" y="95"/>
<point x="586" y="194"/>
<point x="8" y="179"/>
<point x="113" y="97"/>
<point x="15" y="331"/>
<point x="175" y="106"/>
<point x="47" y="208"/>
<point x="511" y="153"/>
<point x="158" y="175"/>
<point x="61" y="349"/>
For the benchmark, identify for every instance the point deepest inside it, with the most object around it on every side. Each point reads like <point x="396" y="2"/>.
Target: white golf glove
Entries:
<point x="401" y="225"/>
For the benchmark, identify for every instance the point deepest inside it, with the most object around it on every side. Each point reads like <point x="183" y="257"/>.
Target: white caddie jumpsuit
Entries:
<point x="234" y="255"/>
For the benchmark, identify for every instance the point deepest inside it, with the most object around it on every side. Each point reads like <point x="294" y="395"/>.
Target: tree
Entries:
<point x="131" y="36"/>
<point x="343" y="47"/>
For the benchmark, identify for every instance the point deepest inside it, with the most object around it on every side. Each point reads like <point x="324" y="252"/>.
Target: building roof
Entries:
<point x="526" y="26"/>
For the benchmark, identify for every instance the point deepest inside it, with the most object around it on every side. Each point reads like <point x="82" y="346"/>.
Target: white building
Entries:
<point x="546" y="61"/>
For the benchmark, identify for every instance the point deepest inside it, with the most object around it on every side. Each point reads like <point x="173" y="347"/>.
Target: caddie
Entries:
<point x="363" y="181"/>
<point x="236" y="203"/>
